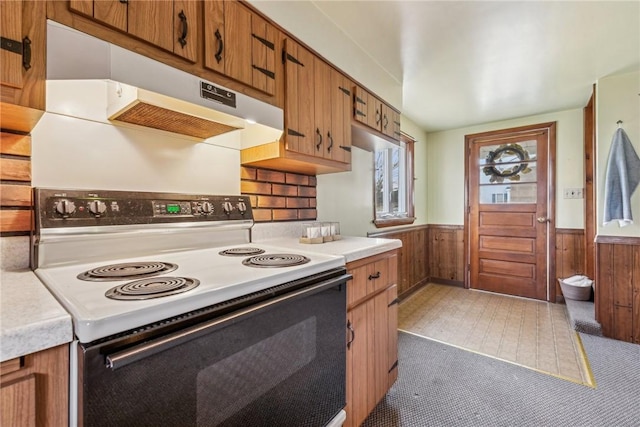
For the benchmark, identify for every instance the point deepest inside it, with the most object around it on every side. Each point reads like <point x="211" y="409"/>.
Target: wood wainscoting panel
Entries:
<point x="617" y="296"/>
<point x="570" y="259"/>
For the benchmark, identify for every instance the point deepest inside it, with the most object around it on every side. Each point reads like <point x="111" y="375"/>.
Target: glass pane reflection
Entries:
<point x="508" y="193"/>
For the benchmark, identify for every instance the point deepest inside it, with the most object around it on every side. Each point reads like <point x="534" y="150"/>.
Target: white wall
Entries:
<point x="445" y="167"/>
<point x="312" y="27"/>
<point x="90" y="153"/>
<point x="617" y="98"/>
<point x="347" y="197"/>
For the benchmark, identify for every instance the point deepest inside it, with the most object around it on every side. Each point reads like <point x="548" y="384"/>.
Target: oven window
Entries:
<point x="284" y="366"/>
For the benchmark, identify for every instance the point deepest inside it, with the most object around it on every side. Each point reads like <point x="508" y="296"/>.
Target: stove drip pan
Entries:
<point x="152" y="288"/>
<point x="126" y="271"/>
<point x="276" y="260"/>
<point x="244" y="251"/>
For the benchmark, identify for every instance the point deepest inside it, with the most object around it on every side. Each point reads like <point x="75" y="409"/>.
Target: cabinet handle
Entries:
<point x="353" y="334"/>
<point x="185" y="29"/>
<point x="374" y="276"/>
<point x="386" y="122"/>
<point x="220" y="43"/>
<point x="330" y="142"/>
<point x="26" y="53"/>
<point x="319" y="139"/>
<point x="378" y="117"/>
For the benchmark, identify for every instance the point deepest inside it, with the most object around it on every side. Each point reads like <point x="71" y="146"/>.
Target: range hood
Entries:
<point x="145" y="92"/>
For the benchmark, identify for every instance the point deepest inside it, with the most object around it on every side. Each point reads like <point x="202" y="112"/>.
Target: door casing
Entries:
<point x="550" y="127"/>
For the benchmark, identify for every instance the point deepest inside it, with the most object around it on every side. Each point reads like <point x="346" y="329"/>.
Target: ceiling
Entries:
<point x="462" y="63"/>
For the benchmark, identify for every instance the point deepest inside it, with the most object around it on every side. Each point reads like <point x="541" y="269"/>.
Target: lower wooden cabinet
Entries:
<point x="617" y="286"/>
<point x="34" y="389"/>
<point x="372" y="342"/>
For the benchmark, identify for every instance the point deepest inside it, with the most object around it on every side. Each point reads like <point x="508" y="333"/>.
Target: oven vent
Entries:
<point x="128" y="104"/>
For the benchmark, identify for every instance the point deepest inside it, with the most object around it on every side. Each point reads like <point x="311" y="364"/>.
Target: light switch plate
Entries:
<point x="573" y="193"/>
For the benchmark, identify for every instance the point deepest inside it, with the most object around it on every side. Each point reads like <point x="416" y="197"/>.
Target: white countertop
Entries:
<point x="30" y="317"/>
<point x="351" y="248"/>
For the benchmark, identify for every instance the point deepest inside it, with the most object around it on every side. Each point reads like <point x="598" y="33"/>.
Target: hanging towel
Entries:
<point x="621" y="179"/>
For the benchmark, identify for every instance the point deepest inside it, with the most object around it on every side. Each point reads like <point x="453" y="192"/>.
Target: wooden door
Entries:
<point x="510" y="211"/>
<point x="360" y="369"/>
<point x="152" y="21"/>
<point x="263" y="55"/>
<point x="299" y="90"/>
<point x="339" y="147"/>
<point x="322" y="107"/>
<point x="185" y="29"/>
<point x="237" y="42"/>
<point x="111" y="12"/>
<point x="11" y="30"/>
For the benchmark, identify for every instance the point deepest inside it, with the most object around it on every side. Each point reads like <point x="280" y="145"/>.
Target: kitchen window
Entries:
<point x="393" y="183"/>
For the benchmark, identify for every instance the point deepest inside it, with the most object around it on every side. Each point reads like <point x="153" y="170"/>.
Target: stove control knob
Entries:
<point x="227" y="207"/>
<point x="206" y="208"/>
<point x="65" y="207"/>
<point x="242" y="207"/>
<point x="97" y="207"/>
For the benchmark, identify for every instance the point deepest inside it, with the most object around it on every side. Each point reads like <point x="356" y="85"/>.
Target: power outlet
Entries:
<point x="573" y="193"/>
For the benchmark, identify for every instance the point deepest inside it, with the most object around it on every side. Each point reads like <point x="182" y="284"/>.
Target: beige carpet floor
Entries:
<point x="526" y="332"/>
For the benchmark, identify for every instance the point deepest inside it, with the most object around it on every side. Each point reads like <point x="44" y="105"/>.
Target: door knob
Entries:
<point x="543" y="219"/>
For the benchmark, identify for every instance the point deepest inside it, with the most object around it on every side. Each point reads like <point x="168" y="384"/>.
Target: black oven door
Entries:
<point x="278" y="361"/>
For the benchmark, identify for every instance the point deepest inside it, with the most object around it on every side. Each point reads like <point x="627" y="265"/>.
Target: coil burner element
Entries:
<point x="276" y="260"/>
<point x="152" y="288"/>
<point x="245" y="251"/>
<point x="127" y="271"/>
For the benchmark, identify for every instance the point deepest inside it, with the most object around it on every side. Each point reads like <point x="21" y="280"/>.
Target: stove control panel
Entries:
<point x="69" y="208"/>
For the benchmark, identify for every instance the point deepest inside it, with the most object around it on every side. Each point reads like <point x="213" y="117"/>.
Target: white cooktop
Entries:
<point x="221" y="278"/>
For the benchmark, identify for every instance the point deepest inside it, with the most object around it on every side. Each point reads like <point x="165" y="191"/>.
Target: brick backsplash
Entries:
<point x="279" y="196"/>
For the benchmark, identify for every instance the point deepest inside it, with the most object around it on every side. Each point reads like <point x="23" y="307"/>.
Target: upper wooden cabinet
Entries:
<point x="317" y="107"/>
<point x="240" y="44"/>
<point x="170" y="25"/>
<point x="22" y="63"/>
<point x="376" y="114"/>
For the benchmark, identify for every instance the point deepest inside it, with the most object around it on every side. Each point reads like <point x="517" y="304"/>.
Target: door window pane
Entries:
<point x="508" y="193"/>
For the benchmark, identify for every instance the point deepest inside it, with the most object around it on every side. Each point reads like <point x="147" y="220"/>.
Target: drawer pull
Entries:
<point x="374" y="276"/>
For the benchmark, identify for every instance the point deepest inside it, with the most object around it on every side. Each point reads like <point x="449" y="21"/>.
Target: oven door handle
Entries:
<point x="122" y="358"/>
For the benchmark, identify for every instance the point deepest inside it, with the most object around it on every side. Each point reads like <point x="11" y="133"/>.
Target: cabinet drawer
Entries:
<point x="371" y="276"/>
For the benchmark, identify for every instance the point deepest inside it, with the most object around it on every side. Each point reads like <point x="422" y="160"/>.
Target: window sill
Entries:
<point x="390" y="222"/>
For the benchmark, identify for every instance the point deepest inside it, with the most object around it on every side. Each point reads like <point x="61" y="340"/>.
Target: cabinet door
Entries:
<point x="237" y="41"/>
<point x="11" y="29"/>
<point x="374" y="112"/>
<point x="360" y="108"/>
<point x="82" y="6"/>
<point x="339" y="147"/>
<point x="22" y="63"/>
<point x="185" y="29"/>
<point x="359" y="367"/>
<point x="299" y="104"/>
<point x="263" y="55"/>
<point x="214" y="36"/>
<point x="152" y="21"/>
<point x="18" y="401"/>
<point x="322" y="108"/>
<point x="111" y="12"/>
<point x="390" y="122"/>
